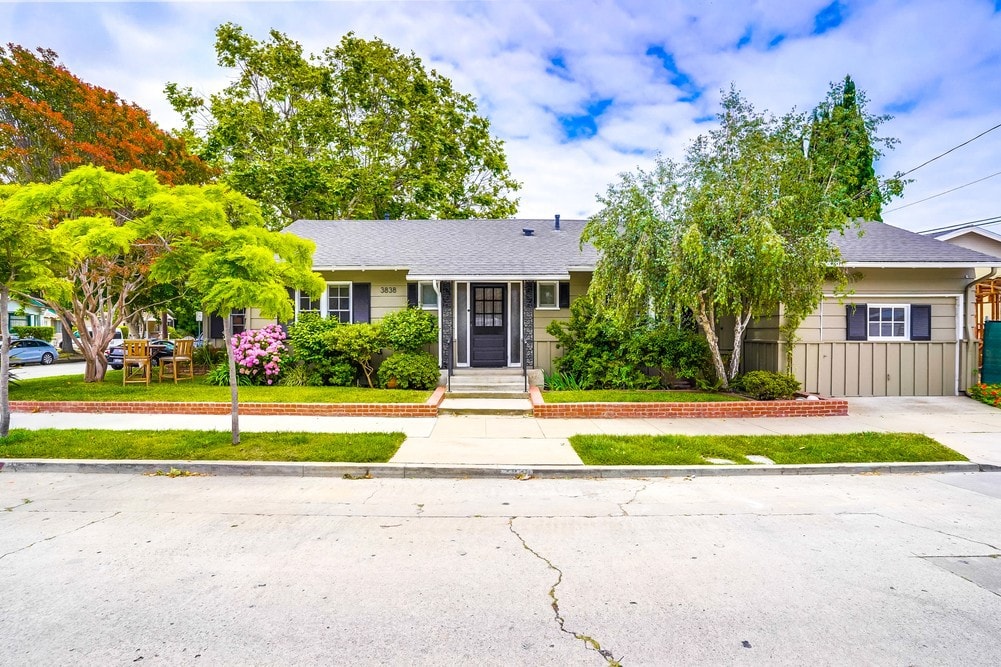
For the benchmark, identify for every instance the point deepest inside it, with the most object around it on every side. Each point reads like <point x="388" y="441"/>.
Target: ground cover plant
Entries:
<point x="73" y="388"/>
<point x="200" y="446"/>
<point x="986" y="393"/>
<point x="694" y="450"/>
<point x="636" y="396"/>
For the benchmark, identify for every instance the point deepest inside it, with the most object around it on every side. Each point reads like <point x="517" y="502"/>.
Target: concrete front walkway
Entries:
<point x="969" y="427"/>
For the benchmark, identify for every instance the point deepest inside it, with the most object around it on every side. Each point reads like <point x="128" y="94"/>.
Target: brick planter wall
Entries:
<point x="825" y="407"/>
<point x="427" y="409"/>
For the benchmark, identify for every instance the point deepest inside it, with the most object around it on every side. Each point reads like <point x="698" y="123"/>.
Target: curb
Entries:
<point x="427" y="471"/>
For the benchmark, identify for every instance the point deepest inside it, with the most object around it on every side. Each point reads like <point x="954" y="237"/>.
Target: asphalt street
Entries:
<point x="868" y="569"/>
<point x="29" y="371"/>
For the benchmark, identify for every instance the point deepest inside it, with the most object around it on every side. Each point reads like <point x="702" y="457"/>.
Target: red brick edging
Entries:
<point x="427" y="409"/>
<point x="825" y="407"/>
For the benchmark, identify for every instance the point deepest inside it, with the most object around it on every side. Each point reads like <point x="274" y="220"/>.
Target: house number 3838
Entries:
<point x="387" y="290"/>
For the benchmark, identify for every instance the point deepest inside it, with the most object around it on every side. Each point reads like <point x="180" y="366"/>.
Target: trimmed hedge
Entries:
<point x="41" y="333"/>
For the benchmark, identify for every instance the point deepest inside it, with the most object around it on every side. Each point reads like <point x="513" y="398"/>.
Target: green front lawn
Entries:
<point x="73" y="388"/>
<point x="636" y="396"/>
<point x="200" y="446"/>
<point x="694" y="450"/>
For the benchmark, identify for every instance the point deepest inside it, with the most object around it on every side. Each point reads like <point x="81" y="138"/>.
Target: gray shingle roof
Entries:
<point x="470" y="248"/>
<point x="882" y="244"/>
<point x="449" y="247"/>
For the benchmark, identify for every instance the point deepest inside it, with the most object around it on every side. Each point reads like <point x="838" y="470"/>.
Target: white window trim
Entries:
<point x="556" y="295"/>
<point x="325" y="300"/>
<point x="420" y="294"/>
<point x="907" y="322"/>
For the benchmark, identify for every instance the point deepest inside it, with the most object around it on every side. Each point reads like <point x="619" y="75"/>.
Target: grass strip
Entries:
<point x="636" y="396"/>
<point x="695" y="449"/>
<point x="200" y="445"/>
<point x="73" y="388"/>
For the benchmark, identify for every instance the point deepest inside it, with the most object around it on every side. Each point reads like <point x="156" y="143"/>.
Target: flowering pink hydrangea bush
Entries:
<point x="258" y="353"/>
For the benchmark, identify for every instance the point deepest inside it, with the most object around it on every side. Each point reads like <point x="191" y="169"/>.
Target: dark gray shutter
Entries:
<point x="361" y="302"/>
<point x="215" y="326"/>
<point x="858" y="315"/>
<point x="564" y="295"/>
<point x="412" y="295"/>
<point x="921" y="322"/>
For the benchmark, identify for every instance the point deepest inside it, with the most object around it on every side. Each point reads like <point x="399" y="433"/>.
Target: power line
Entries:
<point x="983" y="222"/>
<point x="968" y="141"/>
<point x="945" y="192"/>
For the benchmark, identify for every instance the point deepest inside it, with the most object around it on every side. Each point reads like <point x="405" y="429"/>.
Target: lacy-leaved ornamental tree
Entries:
<point x="241" y="264"/>
<point x="843" y="147"/>
<point x="361" y="131"/>
<point x="51" y="122"/>
<point x="29" y="262"/>
<point x="738" y="229"/>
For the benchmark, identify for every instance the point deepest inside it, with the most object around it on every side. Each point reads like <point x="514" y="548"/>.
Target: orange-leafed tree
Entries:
<point x="51" y="122"/>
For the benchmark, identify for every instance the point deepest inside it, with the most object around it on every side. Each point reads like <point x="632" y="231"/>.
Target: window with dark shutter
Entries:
<point x="361" y="302"/>
<point x="412" y="300"/>
<point x="564" y="295"/>
<point x="920" y="322"/>
<point x="857" y="314"/>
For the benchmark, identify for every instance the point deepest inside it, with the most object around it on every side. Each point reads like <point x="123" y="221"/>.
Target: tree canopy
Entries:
<point x="361" y="132"/>
<point x="51" y="121"/>
<point x="843" y="148"/>
<point x="738" y="229"/>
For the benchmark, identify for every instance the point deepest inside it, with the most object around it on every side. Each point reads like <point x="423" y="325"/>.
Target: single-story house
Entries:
<point x="32" y="313"/>
<point x="494" y="284"/>
<point x="905" y="328"/>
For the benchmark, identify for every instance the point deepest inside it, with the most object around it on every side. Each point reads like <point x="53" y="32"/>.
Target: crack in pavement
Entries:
<point x="52" y="537"/>
<point x="589" y="642"/>
<point x="962" y="576"/>
<point x="934" y="530"/>
<point x="622" y="506"/>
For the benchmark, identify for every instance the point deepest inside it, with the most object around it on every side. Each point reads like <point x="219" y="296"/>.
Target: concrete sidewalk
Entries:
<point x="969" y="427"/>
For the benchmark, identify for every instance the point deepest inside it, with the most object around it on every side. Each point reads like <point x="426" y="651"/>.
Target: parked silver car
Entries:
<point x="31" y="351"/>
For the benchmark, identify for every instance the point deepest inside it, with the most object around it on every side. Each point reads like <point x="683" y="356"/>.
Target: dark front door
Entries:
<point x="489" y="341"/>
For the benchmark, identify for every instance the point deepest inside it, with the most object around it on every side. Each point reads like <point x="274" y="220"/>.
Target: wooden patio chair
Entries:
<point x="136" y="362"/>
<point x="183" y="353"/>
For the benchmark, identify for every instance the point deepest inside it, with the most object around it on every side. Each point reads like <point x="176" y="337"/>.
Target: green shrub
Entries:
<point x="341" y="374"/>
<point x="562" y="382"/>
<point x="767" y="385"/>
<point x="219" y="377"/>
<point x="41" y="333"/>
<point x="295" y="375"/>
<point x="357" y="343"/>
<point x="410" y="370"/>
<point x="311" y="348"/>
<point x="684" y="353"/>
<point x="409" y="330"/>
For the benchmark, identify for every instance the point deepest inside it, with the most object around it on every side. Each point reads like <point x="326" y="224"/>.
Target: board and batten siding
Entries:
<point x="826" y="362"/>
<point x="546" y="347"/>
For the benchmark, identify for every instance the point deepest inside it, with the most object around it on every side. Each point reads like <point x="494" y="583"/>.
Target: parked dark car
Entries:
<point x="158" y="348"/>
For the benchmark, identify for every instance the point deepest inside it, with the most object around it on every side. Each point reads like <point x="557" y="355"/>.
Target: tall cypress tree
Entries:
<point x="842" y="150"/>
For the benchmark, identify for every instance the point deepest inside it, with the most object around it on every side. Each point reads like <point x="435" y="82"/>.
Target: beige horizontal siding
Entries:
<point x="546" y="347"/>
<point x="389" y="288"/>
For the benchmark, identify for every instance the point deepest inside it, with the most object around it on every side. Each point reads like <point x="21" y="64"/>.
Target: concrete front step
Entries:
<point x="485" y="394"/>
<point x="487" y="372"/>
<point x="486" y="406"/>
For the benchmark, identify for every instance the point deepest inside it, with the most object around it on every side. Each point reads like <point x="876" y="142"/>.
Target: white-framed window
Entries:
<point x="888" y="321"/>
<point x="335" y="303"/>
<point x="339" y="301"/>
<point x="548" y="295"/>
<point x="238" y="320"/>
<point x="306" y="304"/>
<point x="427" y="298"/>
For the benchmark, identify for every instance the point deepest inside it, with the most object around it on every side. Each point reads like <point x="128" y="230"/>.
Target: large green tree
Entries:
<point x="738" y="229"/>
<point x="843" y="147"/>
<point x="29" y="261"/>
<point x="361" y="131"/>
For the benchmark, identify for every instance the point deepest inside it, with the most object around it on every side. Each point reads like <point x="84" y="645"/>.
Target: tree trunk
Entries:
<point x="164" y="329"/>
<point x="739" y="329"/>
<point x="4" y="363"/>
<point x="706" y="319"/>
<point x="227" y="333"/>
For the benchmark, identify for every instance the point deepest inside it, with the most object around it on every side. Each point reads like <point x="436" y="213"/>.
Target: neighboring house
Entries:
<point x="906" y="328"/>
<point x="32" y="313"/>
<point x="988" y="291"/>
<point x="494" y="284"/>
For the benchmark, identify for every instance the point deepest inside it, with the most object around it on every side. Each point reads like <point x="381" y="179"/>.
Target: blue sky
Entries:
<point x="582" y="90"/>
